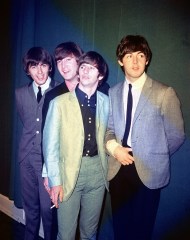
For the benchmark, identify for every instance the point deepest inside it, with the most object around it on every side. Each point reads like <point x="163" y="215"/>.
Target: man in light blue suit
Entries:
<point x="145" y="128"/>
<point x="74" y="152"/>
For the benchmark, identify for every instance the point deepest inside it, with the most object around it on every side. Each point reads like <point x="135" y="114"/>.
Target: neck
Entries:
<point x="134" y="79"/>
<point x="88" y="90"/>
<point x="71" y="84"/>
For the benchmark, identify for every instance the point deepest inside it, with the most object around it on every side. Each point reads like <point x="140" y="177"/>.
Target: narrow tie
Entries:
<point x="39" y="94"/>
<point x="128" y="117"/>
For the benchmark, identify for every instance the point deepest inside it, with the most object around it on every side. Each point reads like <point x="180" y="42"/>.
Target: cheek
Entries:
<point x="80" y="74"/>
<point x="126" y="65"/>
<point x="74" y="68"/>
<point x="126" y="68"/>
<point x="143" y="64"/>
<point x="95" y="77"/>
<point x="46" y="72"/>
<point x="59" y="67"/>
<point x="32" y="74"/>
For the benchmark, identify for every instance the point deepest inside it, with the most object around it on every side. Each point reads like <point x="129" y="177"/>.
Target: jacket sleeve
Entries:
<point x="173" y="120"/>
<point x="51" y="144"/>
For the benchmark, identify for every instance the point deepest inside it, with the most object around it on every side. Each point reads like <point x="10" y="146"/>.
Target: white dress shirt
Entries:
<point x="136" y="92"/>
<point x="44" y="87"/>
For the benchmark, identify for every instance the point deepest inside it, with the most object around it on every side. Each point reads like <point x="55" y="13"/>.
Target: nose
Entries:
<point x="135" y="59"/>
<point x="39" y="69"/>
<point x="64" y="65"/>
<point x="85" y="69"/>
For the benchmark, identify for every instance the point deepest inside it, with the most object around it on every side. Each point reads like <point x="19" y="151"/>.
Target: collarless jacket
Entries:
<point x="63" y="140"/>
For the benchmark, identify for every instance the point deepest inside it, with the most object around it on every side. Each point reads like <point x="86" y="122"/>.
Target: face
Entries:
<point x="134" y="65"/>
<point x="89" y="75"/>
<point x="68" y="68"/>
<point x="39" y="73"/>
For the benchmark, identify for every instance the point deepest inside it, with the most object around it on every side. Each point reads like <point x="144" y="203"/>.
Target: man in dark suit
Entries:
<point x="145" y="128"/>
<point x="36" y="201"/>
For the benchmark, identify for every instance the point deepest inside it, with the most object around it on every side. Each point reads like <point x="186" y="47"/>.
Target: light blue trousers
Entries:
<point x="85" y="202"/>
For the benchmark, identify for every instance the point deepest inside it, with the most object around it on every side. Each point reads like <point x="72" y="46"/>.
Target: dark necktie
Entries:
<point x="39" y="94"/>
<point x="128" y="117"/>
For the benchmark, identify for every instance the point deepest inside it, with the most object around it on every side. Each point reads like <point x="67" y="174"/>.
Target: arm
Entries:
<point x="114" y="148"/>
<point x="173" y="120"/>
<point x="51" y="146"/>
<point x="19" y="105"/>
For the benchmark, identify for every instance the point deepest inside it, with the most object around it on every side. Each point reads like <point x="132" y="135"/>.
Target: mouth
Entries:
<point x="41" y="78"/>
<point x="135" y="68"/>
<point x="85" y="77"/>
<point x="65" y="72"/>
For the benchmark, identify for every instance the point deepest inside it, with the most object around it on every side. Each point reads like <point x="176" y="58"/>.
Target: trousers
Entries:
<point x="84" y="204"/>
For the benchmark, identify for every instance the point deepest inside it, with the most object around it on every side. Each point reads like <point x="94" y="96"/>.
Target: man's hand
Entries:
<point x="122" y="154"/>
<point x="56" y="194"/>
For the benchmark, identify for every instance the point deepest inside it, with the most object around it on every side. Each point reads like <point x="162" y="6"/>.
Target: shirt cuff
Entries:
<point x="44" y="171"/>
<point x="111" y="146"/>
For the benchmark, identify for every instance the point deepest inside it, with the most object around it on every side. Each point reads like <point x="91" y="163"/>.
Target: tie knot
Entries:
<point x="130" y="86"/>
<point x="39" y="88"/>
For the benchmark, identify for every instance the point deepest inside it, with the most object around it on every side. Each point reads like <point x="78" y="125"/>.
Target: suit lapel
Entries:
<point x="75" y="109"/>
<point x="119" y="108"/>
<point x="147" y="88"/>
<point x="100" y="102"/>
<point x="52" y="84"/>
<point x="31" y="92"/>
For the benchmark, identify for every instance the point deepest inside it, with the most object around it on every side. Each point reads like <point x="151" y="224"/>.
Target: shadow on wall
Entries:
<point x="173" y="219"/>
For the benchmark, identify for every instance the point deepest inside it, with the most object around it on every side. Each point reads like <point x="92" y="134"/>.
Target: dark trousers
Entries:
<point x="36" y="200"/>
<point x="134" y="206"/>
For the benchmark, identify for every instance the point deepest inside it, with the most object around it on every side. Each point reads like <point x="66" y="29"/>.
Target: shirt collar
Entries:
<point x="138" y="83"/>
<point x="44" y="86"/>
<point x="83" y="97"/>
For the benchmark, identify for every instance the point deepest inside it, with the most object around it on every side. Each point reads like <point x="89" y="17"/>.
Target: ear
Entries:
<point x="100" y="77"/>
<point x="146" y="62"/>
<point x="120" y="63"/>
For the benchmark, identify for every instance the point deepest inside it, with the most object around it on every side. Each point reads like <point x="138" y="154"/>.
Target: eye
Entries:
<point x="83" y="67"/>
<point x="141" y="55"/>
<point x="58" y="61"/>
<point x="128" y="56"/>
<point x="33" y="67"/>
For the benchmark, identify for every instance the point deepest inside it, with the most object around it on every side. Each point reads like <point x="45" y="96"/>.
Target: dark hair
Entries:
<point x="133" y="43"/>
<point x="36" y="55"/>
<point x="96" y="60"/>
<point x="65" y="49"/>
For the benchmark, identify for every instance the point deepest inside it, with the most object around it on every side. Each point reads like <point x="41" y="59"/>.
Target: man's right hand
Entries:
<point x="123" y="155"/>
<point x="56" y="194"/>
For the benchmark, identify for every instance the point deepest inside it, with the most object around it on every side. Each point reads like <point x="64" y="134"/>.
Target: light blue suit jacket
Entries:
<point x="157" y="131"/>
<point x="63" y="140"/>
